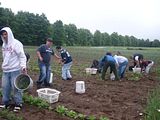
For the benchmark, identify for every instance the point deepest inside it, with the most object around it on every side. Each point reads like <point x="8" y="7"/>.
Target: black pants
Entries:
<point x="112" y="67"/>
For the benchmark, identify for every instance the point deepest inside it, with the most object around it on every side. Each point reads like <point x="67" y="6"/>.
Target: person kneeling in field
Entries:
<point x="66" y="61"/>
<point x="108" y="61"/>
<point x="146" y="65"/>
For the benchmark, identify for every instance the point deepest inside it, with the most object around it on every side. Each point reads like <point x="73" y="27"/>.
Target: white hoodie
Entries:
<point x="13" y="54"/>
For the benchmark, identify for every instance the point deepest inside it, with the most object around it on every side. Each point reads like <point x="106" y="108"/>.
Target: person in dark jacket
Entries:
<point x="66" y="61"/>
<point x="96" y="64"/>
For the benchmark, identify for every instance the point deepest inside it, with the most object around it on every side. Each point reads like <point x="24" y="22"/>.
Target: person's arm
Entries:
<point x="39" y="56"/>
<point x="57" y="56"/>
<point x="116" y="61"/>
<point x="22" y="58"/>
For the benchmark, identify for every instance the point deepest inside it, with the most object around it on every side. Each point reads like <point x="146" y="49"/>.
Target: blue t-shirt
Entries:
<point x="108" y="58"/>
<point x="46" y="53"/>
<point x="66" y="57"/>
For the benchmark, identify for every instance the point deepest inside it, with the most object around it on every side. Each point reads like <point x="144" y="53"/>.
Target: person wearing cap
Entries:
<point x="14" y="63"/>
<point x="44" y="53"/>
<point x="66" y="61"/>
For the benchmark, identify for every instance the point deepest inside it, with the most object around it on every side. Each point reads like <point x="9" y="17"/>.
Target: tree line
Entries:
<point x="32" y="29"/>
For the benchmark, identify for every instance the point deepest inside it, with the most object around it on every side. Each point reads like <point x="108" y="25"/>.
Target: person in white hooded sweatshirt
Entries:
<point x="14" y="63"/>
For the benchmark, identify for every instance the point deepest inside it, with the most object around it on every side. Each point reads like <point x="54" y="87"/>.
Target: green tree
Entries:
<point x="71" y="34"/>
<point x="58" y="33"/>
<point x="97" y="38"/>
<point x="85" y="37"/>
<point x="133" y="41"/>
<point x="127" y="40"/>
<point x="6" y="17"/>
<point x="121" y="40"/>
<point x="115" y="39"/>
<point x="28" y="29"/>
<point x="106" y="39"/>
<point x="147" y="43"/>
<point x="155" y="43"/>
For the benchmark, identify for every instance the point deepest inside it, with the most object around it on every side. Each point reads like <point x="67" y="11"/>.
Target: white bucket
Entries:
<point x="51" y="78"/>
<point x="136" y="70"/>
<point x="80" y="87"/>
<point x="112" y="76"/>
<point x="23" y="82"/>
<point x="93" y="71"/>
<point x="88" y="70"/>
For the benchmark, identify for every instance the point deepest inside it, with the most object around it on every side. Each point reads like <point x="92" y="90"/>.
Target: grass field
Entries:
<point x="86" y="55"/>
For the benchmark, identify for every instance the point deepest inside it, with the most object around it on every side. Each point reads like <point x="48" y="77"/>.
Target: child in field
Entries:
<point x="66" y="61"/>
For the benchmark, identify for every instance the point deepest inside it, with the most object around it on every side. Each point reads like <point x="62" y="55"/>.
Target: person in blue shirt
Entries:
<point x="44" y="53"/>
<point x="108" y="61"/>
<point x="66" y="61"/>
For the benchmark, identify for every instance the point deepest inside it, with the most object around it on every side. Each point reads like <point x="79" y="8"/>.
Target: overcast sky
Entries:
<point x="140" y="18"/>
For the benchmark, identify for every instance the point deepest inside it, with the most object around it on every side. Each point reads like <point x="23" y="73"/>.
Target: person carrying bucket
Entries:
<point x="14" y="63"/>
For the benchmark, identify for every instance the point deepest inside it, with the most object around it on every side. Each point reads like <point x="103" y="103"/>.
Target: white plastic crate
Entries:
<point x="136" y="70"/>
<point x="91" y="71"/>
<point x="50" y="95"/>
<point x="88" y="70"/>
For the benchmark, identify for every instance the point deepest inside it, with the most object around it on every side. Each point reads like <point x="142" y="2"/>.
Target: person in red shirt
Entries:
<point x="146" y="65"/>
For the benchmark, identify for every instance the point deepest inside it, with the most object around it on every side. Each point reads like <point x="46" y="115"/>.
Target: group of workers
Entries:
<point x="119" y="63"/>
<point x="15" y="63"/>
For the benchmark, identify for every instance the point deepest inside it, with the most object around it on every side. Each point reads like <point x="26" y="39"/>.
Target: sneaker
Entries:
<point x="17" y="108"/>
<point x="3" y="106"/>
<point x="69" y="78"/>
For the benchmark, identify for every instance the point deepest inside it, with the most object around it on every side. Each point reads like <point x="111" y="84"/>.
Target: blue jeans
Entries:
<point x="8" y="79"/>
<point x="121" y="69"/>
<point x="66" y="71"/>
<point x="45" y="71"/>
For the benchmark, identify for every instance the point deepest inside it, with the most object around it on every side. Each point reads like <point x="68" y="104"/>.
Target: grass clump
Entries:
<point x="152" y="111"/>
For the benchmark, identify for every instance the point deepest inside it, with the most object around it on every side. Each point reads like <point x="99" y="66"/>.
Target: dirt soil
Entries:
<point x="118" y="100"/>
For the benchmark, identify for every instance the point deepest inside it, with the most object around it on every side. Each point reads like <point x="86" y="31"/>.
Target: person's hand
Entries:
<point x="24" y="70"/>
<point x="62" y="63"/>
<point x="41" y="59"/>
<point x="59" y="61"/>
